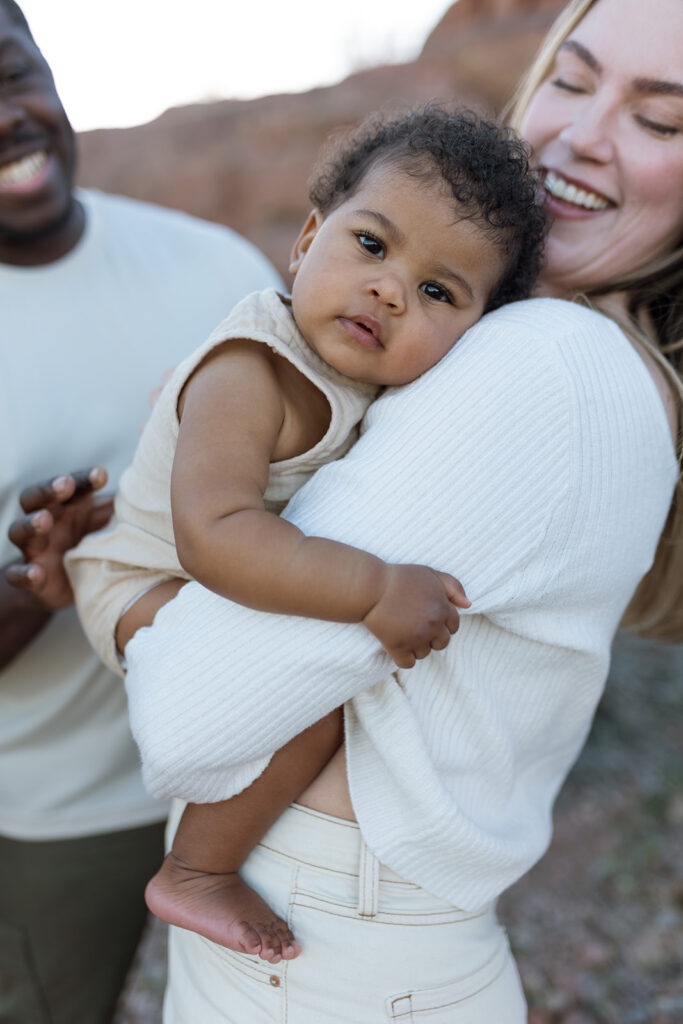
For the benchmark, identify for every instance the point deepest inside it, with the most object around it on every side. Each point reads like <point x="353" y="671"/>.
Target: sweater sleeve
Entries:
<point x="464" y="470"/>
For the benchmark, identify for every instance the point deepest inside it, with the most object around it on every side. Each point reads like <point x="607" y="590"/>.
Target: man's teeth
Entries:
<point x="22" y="171"/>
<point x="571" y="194"/>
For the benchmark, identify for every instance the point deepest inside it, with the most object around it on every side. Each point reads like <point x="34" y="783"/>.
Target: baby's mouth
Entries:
<point x="365" y="329"/>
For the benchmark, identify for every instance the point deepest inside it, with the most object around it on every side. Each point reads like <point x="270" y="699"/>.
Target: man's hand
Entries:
<point x="59" y="513"/>
<point x="417" y="612"/>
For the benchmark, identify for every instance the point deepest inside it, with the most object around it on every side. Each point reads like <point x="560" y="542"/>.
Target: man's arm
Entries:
<point x="57" y="514"/>
<point x="21" y="619"/>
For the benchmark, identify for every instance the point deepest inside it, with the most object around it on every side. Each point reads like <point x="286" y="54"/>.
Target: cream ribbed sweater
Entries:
<point x="137" y="550"/>
<point x="535" y="463"/>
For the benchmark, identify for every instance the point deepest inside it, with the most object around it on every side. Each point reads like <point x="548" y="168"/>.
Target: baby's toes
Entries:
<point x="248" y="938"/>
<point x="290" y="947"/>
<point x="271" y="946"/>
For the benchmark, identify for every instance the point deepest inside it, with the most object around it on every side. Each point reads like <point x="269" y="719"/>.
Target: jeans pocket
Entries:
<point x="21" y="996"/>
<point x="249" y="966"/>
<point x="440" y="1004"/>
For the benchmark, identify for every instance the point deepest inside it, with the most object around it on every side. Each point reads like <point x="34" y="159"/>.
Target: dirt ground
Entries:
<point x="597" y="926"/>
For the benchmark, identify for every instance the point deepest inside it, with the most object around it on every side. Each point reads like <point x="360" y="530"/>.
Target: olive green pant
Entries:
<point x="71" y="915"/>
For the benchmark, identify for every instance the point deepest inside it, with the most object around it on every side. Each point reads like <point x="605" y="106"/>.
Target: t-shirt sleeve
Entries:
<point x="462" y="470"/>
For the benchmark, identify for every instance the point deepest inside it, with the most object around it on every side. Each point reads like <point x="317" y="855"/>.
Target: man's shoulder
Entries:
<point x="123" y="213"/>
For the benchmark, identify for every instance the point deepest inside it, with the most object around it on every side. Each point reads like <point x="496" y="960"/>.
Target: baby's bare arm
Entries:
<point x="232" y="417"/>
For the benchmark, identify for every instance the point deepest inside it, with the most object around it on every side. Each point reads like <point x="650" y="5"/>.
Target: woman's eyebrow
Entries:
<point x="646" y="86"/>
<point x="657" y="87"/>
<point x="585" y="55"/>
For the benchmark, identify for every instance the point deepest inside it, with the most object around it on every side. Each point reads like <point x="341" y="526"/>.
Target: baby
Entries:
<point x="421" y="224"/>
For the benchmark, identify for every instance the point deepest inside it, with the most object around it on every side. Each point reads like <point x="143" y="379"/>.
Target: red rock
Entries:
<point x="246" y="163"/>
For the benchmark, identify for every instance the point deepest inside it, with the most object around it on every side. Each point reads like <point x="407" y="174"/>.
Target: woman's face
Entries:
<point x="606" y="127"/>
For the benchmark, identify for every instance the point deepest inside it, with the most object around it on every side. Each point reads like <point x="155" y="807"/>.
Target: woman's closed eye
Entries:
<point x="562" y="83"/>
<point x="658" y="127"/>
<point x="371" y="244"/>
<point x="437" y="292"/>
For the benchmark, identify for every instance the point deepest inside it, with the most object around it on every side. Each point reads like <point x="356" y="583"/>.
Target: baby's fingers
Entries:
<point x="454" y="590"/>
<point x="452" y="621"/>
<point x="441" y="641"/>
<point x="401" y="657"/>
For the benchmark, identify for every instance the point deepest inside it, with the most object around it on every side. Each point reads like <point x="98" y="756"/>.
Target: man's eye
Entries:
<point x="370" y="244"/>
<point x="13" y="73"/>
<point x="436" y="292"/>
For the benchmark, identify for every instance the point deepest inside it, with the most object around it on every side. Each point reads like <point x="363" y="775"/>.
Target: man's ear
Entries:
<point x="304" y="239"/>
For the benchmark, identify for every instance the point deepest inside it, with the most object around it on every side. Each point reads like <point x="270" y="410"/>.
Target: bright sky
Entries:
<point x="122" y="62"/>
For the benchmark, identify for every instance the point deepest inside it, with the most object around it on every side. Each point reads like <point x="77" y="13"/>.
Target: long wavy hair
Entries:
<point x="654" y="318"/>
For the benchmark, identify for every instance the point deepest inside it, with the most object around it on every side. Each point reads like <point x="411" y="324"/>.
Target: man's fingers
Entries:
<point x="48" y="493"/>
<point x="101" y="512"/>
<point x="30" y="534"/>
<point x="88" y="480"/>
<point x="26" y="577"/>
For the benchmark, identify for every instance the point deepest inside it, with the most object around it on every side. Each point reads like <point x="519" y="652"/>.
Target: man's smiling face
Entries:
<point x="39" y="219"/>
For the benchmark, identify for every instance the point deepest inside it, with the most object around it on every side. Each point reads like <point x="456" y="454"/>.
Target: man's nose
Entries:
<point x="11" y="113"/>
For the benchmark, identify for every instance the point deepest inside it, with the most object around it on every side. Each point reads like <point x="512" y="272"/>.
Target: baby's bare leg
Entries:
<point x="197" y="886"/>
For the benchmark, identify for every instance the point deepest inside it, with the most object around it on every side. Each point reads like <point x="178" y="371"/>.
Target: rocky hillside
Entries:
<point x="246" y="163"/>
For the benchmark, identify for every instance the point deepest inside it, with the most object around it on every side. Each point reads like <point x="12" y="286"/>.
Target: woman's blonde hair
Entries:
<point x="655" y="319"/>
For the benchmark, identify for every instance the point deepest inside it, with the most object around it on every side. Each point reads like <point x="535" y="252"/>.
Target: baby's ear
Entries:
<point x="304" y="239"/>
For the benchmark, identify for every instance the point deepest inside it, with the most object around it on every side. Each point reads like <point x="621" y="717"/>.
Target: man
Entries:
<point x="98" y="295"/>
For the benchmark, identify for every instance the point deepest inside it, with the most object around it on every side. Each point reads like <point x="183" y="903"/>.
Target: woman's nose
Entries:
<point x="590" y="133"/>
<point x="390" y="290"/>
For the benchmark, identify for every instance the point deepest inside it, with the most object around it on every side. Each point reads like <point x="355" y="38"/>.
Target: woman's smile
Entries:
<point x="606" y="126"/>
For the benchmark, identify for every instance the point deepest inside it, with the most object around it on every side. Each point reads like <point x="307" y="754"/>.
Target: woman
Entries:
<point x="537" y="462"/>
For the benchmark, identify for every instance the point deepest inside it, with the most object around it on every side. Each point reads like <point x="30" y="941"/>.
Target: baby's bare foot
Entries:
<point x="222" y="908"/>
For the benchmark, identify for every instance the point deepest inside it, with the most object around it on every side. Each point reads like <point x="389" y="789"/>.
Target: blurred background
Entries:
<point x="220" y="109"/>
<point x="246" y="162"/>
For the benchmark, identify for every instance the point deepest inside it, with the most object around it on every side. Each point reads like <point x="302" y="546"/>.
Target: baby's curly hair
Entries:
<point x="485" y="166"/>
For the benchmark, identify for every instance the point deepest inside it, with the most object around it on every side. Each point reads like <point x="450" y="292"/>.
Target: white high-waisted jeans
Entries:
<point x="375" y="947"/>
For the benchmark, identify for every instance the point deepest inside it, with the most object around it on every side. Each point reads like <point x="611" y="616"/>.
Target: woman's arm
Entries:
<point x="470" y="482"/>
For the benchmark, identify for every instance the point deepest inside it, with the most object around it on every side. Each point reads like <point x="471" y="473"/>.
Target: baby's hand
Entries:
<point x="416" y="613"/>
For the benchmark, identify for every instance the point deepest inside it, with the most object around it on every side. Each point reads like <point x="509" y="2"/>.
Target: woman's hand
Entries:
<point x="59" y="513"/>
<point x="417" y="612"/>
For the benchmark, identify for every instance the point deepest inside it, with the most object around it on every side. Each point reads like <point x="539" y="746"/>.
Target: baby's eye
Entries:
<point x="436" y="292"/>
<point x="370" y="244"/>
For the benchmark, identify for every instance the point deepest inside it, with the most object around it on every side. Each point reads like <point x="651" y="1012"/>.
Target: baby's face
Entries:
<point x="386" y="284"/>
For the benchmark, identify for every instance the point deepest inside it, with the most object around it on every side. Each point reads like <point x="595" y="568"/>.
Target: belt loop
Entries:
<point x="368" y="882"/>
